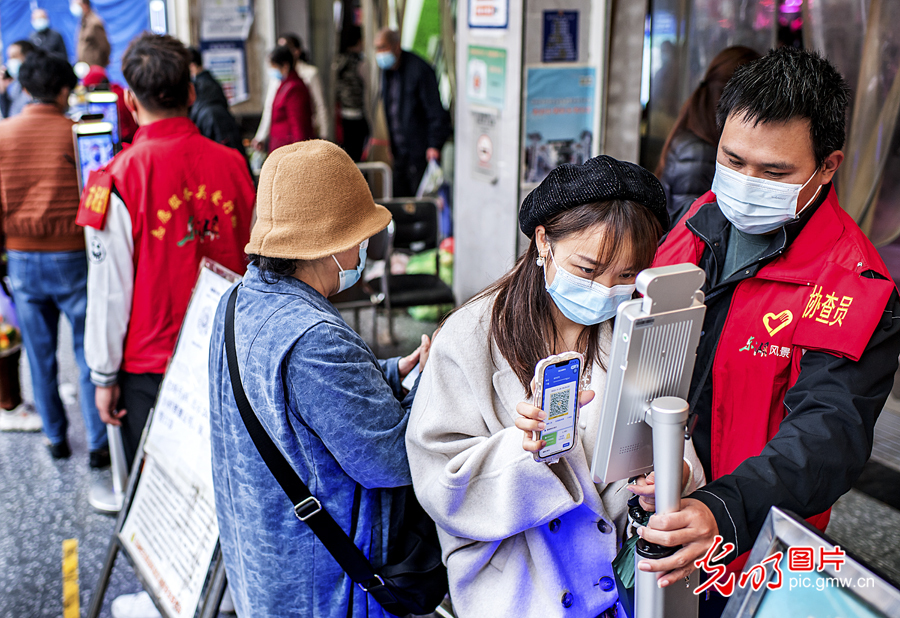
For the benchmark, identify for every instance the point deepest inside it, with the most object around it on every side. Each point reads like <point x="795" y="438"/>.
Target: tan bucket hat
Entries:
<point x="313" y="202"/>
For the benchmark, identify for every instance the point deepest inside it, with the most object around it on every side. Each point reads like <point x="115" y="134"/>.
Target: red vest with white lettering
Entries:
<point x="188" y="198"/>
<point x="811" y="297"/>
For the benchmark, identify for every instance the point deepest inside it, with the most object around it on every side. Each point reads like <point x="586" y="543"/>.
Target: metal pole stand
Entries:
<point x="107" y="496"/>
<point x="668" y="417"/>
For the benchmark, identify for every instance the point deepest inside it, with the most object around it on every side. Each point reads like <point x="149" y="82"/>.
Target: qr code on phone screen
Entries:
<point x="559" y="403"/>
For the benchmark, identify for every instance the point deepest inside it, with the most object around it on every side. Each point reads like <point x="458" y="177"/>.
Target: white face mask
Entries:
<point x="13" y="65"/>
<point x="76" y="9"/>
<point x="757" y="205"/>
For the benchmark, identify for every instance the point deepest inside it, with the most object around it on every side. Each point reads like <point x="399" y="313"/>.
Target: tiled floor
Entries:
<point x="43" y="502"/>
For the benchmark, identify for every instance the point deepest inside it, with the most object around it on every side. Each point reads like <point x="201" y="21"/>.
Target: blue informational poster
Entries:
<point x="227" y="61"/>
<point x="559" y="119"/>
<point x="560" y="36"/>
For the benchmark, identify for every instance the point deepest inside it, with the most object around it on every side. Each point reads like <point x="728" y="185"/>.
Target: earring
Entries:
<point x="540" y="260"/>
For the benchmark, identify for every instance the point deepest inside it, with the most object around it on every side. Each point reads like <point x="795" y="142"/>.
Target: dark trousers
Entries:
<point x="407" y="176"/>
<point x="137" y="396"/>
<point x="10" y="391"/>
<point x="356" y="132"/>
<point x="714" y="605"/>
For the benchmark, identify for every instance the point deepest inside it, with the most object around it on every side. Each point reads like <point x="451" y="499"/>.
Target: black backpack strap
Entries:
<point x="306" y="507"/>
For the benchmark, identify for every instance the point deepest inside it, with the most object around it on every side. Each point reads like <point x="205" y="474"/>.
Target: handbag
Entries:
<point x="414" y="580"/>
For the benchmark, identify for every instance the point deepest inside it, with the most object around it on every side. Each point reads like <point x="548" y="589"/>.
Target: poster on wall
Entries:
<point x="560" y="40"/>
<point x="226" y="20"/>
<point x="488" y="13"/>
<point x="227" y="61"/>
<point x="486" y="142"/>
<point x="486" y="76"/>
<point x="559" y="119"/>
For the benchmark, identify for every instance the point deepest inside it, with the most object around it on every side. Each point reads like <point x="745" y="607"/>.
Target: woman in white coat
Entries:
<point x="522" y="538"/>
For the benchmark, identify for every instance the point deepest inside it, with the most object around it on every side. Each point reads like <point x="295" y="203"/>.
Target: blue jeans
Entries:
<point x="43" y="285"/>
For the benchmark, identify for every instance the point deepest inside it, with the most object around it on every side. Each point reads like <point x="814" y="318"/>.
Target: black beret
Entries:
<point x="601" y="179"/>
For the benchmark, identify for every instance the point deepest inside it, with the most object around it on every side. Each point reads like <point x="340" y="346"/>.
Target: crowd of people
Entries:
<point x="785" y="413"/>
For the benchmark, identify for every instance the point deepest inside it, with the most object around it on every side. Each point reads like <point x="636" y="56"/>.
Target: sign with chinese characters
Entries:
<point x="799" y="560"/>
<point x="486" y="145"/>
<point x="227" y="61"/>
<point x="486" y="76"/>
<point x="171" y="531"/>
<point x="560" y="36"/>
<point x="827" y="307"/>
<point x="226" y="19"/>
<point x="488" y="13"/>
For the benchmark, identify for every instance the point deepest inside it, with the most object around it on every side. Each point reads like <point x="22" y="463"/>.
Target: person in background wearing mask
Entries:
<point x="292" y="105"/>
<point x="417" y="122"/>
<point x="13" y="98"/>
<point x="44" y="37"/>
<point x="93" y="45"/>
<point x="48" y="268"/>
<point x="336" y="412"/>
<point x="310" y="76"/>
<point x="210" y="110"/>
<point x="801" y="334"/>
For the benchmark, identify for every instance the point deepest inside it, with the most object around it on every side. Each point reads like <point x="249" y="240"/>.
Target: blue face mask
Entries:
<point x="40" y="23"/>
<point x="348" y="278"/>
<point x="584" y="301"/>
<point x="275" y="74"/>
<point x="385" y="60"/>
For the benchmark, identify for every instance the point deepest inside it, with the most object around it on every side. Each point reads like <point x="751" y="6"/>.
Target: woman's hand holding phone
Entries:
<point x="418" y="357"/>
<point x="531" y="419"/>
<point x="645" y="487"/>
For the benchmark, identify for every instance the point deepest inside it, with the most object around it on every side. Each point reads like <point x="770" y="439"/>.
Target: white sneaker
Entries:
<point x="68" y="393"/>
<point x="23" y="418"/>
<point x="134" y="606"/>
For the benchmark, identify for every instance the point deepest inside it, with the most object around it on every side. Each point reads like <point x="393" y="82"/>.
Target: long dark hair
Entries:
<point x="522" y="316"/>
<point x="698" y="114"/>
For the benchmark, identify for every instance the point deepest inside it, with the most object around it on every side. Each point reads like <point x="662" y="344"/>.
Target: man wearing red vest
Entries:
<point x="802" y="329"/>
<point x="170" y="199"/>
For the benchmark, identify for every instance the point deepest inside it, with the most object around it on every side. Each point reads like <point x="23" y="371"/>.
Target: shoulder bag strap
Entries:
<point x="306" y="507"/>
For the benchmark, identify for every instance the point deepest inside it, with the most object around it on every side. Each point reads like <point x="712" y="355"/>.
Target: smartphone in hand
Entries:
<point x="556" y="392"/>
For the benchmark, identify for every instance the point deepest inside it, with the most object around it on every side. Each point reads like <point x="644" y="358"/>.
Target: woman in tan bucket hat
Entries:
<point x="336" y="413"/>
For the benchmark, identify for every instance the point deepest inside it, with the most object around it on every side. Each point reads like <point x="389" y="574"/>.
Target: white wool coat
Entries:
<point x="519" y="538"/>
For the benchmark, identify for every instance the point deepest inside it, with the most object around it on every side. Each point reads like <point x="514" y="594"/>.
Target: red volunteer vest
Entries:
<point x="188" y="198"/>
<point x="811" y="297"/>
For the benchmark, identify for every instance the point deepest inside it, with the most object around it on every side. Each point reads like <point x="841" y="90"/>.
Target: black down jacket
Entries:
<point x="688" y="173"/>
<point x="211" y="115"/>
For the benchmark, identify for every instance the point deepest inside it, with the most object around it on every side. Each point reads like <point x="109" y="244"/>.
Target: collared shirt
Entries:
<point x="335" y="413"/>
